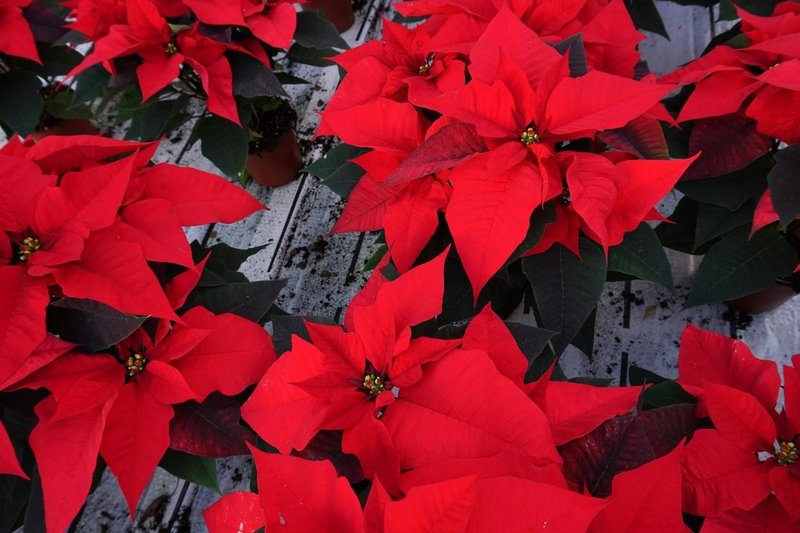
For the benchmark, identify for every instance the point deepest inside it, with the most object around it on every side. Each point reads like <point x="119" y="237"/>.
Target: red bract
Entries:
<point x="761" y="78"/>
<point x="343" y="380"/>
<point x="16" y="39"/>
<point x="272" y="22"/>
<point x="752" y="452"/>
<point x="121" y="405"/>
<point x="163" y="49"/>
<point x="606" y="27"/>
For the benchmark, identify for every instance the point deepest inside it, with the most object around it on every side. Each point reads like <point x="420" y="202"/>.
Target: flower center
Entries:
<point x="529" y="136"/>
<point x="426" y="66"/>
<point x="373" y="384"/>
<point x="171" y="49"/>
<point x="27" y="247"/>
<point x="136" y="363"/>
<point x="787" y="453"/>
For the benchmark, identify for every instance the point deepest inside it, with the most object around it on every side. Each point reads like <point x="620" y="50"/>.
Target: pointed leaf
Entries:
<point x="736" y="266"/>
<point x="250" y="299"/>
<point x="193" y="468"/>
<point x="335" y="170"/>
<point x="566" y="288"/>
<point x="641" y="255"/>
<point x="784" y="183"/>
<point x="223" y="143"/>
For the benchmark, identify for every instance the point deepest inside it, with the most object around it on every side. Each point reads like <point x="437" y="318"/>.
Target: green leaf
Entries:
<point x="736" y="266"/>
<point x="90" y="84"/>
<point x="646" y="17"/>
<point x="641" y="255"/>
<point x="784" y="183"/>
<point x="251" y="300"/>
<point x="224" y="259"/>
<point x="532" y="341"/>
<point x="313" y="31"/>
<point x="287" y="79"/>
<point x="61" y="105"/>
<point x="335" y="171"/>
<point x="283" y="328"/>
<point x="584" y="339"/>
<point x="252" y="79"/>
<point x="373" y="261"/>
<point x="726" y="11"/>
<point x="638" y="376"/>
<point x="566" y="288"/>
<point x="758" y="7"/>
<point x="678" y="233"/>
<point x="57" y="61"/>
<point x="666" y="394"/>
<point x="156" y="118"/>
<point x="316" y="57"/>
<point x="21" y="104"/>
<point x="193" y="468"/>
<point x="714" y="221"/>
<point x="224" y="144"/>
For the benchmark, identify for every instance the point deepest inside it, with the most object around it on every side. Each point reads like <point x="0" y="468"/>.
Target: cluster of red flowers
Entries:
<point x="478" y="113"/>
<point x="166" y="34"/>
<point x="89" y="218"/>
<point x="450" y="433"/>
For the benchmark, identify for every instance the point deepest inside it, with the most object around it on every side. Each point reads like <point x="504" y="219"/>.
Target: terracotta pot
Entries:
<point x="768" y="299"/>
<point x="70" y="126"/>
<point x="339" y="12"/>
<point x="273" y="168"/>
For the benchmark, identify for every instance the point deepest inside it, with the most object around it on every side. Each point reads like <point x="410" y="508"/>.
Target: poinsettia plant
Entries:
<point x="166" y="62"/>
<point x="511" y="133"/>
<point x="33" y="59"/>
<point x="740" y="201"/>
<point x="452" y="434"/>
<point x="107" y="307"/>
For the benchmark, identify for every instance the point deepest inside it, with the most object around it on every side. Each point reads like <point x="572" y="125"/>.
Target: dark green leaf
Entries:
<point x="566" y="288"/>
<point x="283" y="328"/>
<point x="578" y="64"/>
<point x="34" y="512"/>
<point x="224" y="144"/>
<point x="61" y="106"/>
<point x="335" y="171"/>
<point x="252" y="79"/>
<point x="646" y="17"/>
<point x="251" y="300"/>
<point x="714" y="221"/>
<point x="224" y="257"/>
<point x="531" y="340"/>
<point x="641" y="255"/>
<point x="758" y="7"/>
<point x="57" y="61"/>
<point x="21" y="104"/>
<point x="14" y="491"/>
<point x="193" y="468"/>
<point x="90" y="84"/>
<point x="733" y="190"/>
<point x="584" y="339"/>
<point x="538" y="366"/>
<point x="93" y="325"/>
<point x="726" y="11"/>
<point x="737" y="266"/>
<point x="156" y="118"/>
<point x="678" y="233"/>
<point x="376" y="257"/>
<point x="784" y="183"/>
<point x="638" y="376"/>
<point x="313" y="31"/>
<point x="311" y="56"/>
<point x="665" y="394"/>
<point x="287" y="79"/>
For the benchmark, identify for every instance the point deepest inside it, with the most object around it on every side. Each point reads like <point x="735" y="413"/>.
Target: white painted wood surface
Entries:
<point x="640" y="326"/>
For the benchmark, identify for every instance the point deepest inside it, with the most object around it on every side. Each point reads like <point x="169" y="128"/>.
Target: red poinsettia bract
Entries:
<point x="16" y="39"/>
<point x="120" y="404"/>
<point x="751" y="453"/>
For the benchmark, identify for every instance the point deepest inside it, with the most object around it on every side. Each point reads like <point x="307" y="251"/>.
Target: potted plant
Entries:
<point x="273" y="154"/>
<point x="740" y="198"/>
<point x="217" y="66"/>
<point x="495" y="149"/>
